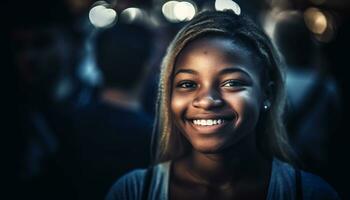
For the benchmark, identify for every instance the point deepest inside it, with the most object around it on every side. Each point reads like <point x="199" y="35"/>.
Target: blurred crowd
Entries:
<point x="81" y="84"/>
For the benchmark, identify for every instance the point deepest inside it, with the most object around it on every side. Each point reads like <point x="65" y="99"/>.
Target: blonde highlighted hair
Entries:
<point x="272" y="139"/>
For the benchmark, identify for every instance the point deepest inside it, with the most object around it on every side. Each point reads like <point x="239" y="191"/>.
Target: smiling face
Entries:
<point x="216" y="93"/>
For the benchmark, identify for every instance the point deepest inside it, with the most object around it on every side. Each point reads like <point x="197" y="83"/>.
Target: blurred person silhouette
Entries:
<point x="46" y="46"/>
<point x="112" y="131"/>
<point x="43" y="58"/>
<point x="314" y="101"/>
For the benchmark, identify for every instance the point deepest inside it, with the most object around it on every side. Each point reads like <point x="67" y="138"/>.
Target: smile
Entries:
<point x="208" y="122"/>
<point x="210" y="125"/>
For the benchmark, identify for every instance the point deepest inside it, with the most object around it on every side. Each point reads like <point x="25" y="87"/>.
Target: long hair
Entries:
<point x="272" y="137"/>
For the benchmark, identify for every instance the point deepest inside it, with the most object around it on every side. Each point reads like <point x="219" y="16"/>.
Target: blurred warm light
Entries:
<point x="131" y="14"/>
<point x="168" y="10"/>
<point x="184" y="11"/>
<point x="176" y="11"/>
<point x="102" y="16"/>
<point x="330" y="32"/>
<point x="222" y="5"/>
<point x="315" y="20"/>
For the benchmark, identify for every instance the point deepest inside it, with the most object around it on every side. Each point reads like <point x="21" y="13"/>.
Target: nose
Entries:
<point x="208" y="100"/>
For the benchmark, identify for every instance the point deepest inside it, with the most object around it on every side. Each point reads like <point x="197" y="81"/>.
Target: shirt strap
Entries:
<point x="298" y="184"/>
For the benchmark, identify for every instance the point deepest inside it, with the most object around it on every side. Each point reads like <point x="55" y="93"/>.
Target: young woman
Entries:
<point x="220" y="129"/>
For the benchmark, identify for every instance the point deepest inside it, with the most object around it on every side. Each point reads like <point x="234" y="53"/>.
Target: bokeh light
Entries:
<point x="222" y="5"/>
<point x="101" y="15"/>
<point x="184" y="11"/>
<point x="168" y="10"/>
<point x="315" y="20"/>
<point x="176" y="11"/>
<point x="132" y="14"/>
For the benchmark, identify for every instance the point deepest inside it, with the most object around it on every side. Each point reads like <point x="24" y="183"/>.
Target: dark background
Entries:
<point x="23" y="14"/>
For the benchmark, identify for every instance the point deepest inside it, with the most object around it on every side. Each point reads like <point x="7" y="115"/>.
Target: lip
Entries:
<point x="212" y="116"/>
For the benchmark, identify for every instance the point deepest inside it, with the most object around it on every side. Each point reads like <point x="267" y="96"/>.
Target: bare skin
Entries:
<point x="214" y="79"/>
<point x="200" y="176"/>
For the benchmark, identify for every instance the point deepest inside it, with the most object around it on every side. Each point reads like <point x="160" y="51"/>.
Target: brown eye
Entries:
<point x="233" y="84"/>
<point x="186" y="85"/>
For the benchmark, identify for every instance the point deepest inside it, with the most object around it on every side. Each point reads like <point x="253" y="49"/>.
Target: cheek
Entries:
<point x="179" y="105"/>
<point x="247" y="108"/>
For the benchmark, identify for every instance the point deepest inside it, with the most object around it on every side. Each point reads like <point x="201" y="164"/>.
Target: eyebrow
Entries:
<point x="187" y="71"/>
<point x="225" y="71"/>
<point x="233" y="70"/>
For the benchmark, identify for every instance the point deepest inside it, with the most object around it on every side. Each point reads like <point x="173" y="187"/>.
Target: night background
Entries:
<point x="57" y="134"/>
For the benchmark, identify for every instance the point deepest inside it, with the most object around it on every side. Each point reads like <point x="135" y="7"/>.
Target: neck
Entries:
<point x="241" y="162"/>
<point x="120" y="98"/>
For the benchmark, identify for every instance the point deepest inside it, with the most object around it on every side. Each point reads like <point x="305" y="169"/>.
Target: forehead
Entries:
<point x="212" y="50"/>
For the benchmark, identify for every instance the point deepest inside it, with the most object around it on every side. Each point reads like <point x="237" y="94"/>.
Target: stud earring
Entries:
<point x="267" y="105"/>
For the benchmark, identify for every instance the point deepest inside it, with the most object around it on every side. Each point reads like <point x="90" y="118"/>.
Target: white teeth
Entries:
<point x="207" y="122"/>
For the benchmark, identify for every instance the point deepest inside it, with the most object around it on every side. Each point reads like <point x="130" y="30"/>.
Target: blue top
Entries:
<point x="282" y="184"/>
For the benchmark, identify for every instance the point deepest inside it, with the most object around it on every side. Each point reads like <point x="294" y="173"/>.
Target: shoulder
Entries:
<point x="314" y="187"/>
<point x="128" y="186"/>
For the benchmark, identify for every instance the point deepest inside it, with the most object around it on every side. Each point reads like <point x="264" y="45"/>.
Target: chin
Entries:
<point x="208" y="147"/>
<point x="217" y="145"/>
